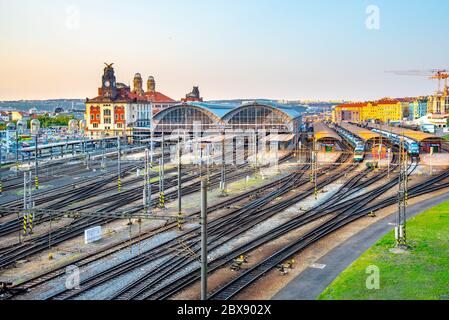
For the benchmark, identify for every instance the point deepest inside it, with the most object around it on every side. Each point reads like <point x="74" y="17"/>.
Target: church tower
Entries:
<point x="151" y="84"/>
<point x="137" y="84"/>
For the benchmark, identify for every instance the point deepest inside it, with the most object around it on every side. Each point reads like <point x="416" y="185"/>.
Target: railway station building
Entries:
<point x="260" y="117"/>
<point x="118" y="108"/>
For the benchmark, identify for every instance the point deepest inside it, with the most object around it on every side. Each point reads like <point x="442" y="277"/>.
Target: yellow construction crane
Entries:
<point x="433" y="74"/>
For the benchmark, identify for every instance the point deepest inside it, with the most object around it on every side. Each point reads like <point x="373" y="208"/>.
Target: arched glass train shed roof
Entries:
<point x="251" y="115"/>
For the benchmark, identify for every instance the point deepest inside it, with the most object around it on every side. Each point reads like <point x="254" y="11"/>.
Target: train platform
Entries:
<point x="426" y="140"/>
<point x="363" y="133"/>
<point x="328" y="157"/>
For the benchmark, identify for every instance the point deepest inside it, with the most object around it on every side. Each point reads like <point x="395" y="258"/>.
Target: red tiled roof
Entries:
<point x="157" y="97"/>
<point x="121" y="98"/>
<point x="406" y="99"/>
<point x="353" y="105"/>
<point x="386" y="101"/>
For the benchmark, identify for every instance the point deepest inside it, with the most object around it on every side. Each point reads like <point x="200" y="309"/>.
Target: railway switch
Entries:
<point x="288" y="265"/>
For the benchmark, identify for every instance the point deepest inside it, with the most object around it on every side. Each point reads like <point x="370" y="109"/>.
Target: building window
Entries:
<point x="119" y="125"/>
<point x="98" y="117"/>
<point x="107" y="120"/>
<point x="122" y="117"/>
<point x="95" y="125"/>
<point x="91" y="117"/>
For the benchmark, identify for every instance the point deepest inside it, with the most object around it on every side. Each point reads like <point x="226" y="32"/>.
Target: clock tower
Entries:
<point x="109" y="85"/>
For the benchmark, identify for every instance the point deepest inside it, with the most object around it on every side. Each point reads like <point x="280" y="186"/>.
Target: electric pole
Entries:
<point x="147" y="184"/>
<point x="162" y="175"/>
<point x="314" y="169"/>
<point x="400" y="230"/>
<point x="36" y="164"/>
<point x="203" y="239"/>
<point x="119" y="168"/>
<point x="179" y="183"/>
<point x="223" y="166"/>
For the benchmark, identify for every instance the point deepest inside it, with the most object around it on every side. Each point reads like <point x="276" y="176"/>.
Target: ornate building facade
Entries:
<point x="117" y="109"/>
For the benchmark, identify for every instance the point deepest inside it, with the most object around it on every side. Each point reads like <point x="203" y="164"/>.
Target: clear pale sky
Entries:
<point x="231" y="48"/>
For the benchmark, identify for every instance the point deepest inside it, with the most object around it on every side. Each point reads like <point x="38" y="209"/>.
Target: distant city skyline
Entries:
<point x="291" y="49"/>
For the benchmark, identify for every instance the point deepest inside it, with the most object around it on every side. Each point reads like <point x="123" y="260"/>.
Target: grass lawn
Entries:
<point x="420" y="273"/>
<point x="446" y="137"/>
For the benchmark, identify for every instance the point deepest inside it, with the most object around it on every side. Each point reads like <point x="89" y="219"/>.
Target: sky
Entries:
<point x="276" y="49"/>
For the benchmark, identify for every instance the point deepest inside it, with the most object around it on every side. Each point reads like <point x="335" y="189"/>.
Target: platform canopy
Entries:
<point x="418" y="136"/>
<point x="214" y="138"/>
<point x="363" y="133"/>
<point x="323" y="132"/>
<point x="44" y="146"/>
<point x="278" y="138"/>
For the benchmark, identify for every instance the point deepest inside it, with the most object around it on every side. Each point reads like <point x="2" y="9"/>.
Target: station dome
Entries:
<point x="151" y="84"/>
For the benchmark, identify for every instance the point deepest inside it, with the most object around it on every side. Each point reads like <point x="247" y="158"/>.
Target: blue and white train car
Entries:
<point x="410" y="145"/>
<point x="355" y="142"/>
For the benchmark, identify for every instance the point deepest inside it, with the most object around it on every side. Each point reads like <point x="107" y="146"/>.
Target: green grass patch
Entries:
<point x="446" y="137"/>
<point x="421" y="273"/>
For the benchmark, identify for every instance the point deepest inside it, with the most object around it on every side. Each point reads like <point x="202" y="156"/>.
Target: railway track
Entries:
<point x="180" y="283"/>
<point x="40" y="243"/>
<point x="219" y="230"/>
<point x="86" y="260"/>
<point x="343" y="215"/>
<point x="57" y="169"/>
<point x="142" y="290"/>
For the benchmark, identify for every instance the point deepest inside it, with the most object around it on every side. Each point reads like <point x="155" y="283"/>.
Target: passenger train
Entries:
<point x="356" y="143"/>
<point x="411" y="146"/>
